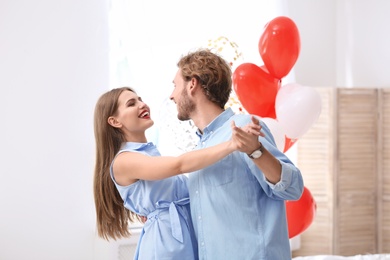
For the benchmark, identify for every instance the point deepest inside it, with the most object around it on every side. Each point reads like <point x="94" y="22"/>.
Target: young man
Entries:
<point x="237" y="204"/>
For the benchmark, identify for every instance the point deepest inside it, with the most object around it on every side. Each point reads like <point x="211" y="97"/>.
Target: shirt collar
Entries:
<point x="217" y="122"/>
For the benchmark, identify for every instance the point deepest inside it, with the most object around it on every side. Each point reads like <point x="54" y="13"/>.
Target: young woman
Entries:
<point x="132" y="180"/>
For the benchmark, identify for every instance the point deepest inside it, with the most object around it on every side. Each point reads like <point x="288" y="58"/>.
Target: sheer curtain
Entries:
<point x="148" y="37"/>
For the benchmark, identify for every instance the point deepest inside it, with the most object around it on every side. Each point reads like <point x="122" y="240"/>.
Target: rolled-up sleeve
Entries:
<point x="291" y="182"/>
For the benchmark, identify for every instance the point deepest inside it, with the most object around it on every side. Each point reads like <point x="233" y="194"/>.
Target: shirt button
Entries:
<point x="197" y="192"/>
<point x="202" y="243"/>
<point x="199" y="217"/>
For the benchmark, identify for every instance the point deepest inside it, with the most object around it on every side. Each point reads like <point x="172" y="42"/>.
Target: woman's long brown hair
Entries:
<point x="112" y="217"/>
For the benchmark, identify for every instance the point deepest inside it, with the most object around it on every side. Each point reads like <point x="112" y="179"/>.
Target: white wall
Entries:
<point x="344" y="43"/>
<point x="363" y="40"/>
<point x="53" y="67"/>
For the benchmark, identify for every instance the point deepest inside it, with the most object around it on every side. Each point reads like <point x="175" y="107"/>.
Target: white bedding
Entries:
<point x="335" y="257"/>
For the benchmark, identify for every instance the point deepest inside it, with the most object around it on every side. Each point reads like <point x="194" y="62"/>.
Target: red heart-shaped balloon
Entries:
<point x="288" y="143"/>
<point x="300" y="213"/>
<point x="256" y="89"/>
<point x="279" y="46"/>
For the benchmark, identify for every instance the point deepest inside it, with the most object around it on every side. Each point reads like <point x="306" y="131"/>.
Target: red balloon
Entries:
<point x="279" y="46"/>
<point x="288" y="143"/>
<point x="256" y="89"/>
<point x="300" y="213"/>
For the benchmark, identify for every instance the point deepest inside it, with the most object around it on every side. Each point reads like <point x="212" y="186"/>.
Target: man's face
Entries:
<point x="184" y="104"/>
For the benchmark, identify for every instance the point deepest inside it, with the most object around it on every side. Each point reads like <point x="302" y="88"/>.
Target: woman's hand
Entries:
<point x="245" y="138"/>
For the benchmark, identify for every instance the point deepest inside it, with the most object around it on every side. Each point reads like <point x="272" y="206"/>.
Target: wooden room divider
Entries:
<point x="345" y="162"/>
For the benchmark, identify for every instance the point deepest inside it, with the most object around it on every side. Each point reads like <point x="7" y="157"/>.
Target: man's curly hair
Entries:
<point x="212" y="71"/>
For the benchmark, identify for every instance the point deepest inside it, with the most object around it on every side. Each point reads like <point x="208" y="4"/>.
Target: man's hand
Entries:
<point x="246" y="137"/>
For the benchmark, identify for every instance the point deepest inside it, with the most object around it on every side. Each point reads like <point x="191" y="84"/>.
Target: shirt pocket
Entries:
<point x="220" y="173"/>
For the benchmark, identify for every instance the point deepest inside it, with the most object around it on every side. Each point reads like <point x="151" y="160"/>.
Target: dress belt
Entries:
<point x="174" y="212"/>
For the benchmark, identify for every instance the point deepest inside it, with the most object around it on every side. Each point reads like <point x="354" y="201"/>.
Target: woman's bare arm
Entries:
<point x="131" y="166"/>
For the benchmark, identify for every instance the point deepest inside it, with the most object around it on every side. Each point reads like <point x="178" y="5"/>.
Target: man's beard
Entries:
<point x="185" y="106"/>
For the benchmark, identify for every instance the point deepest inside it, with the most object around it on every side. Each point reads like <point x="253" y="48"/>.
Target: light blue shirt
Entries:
<point x="237" y="213"/>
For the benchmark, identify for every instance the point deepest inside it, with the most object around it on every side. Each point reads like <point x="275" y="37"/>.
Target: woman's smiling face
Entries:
<point x="133" y="115"/>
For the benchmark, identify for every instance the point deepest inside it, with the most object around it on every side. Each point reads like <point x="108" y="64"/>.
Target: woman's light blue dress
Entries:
<point x="168" y="232"/>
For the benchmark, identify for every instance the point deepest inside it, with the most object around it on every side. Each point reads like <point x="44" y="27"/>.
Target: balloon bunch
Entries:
<point x="289" y="110"/>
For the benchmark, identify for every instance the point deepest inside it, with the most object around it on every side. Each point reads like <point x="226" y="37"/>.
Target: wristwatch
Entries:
<point x="256" y="153"/>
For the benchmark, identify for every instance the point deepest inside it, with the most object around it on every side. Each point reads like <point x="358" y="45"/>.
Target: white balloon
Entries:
<point x="297" y="109"/>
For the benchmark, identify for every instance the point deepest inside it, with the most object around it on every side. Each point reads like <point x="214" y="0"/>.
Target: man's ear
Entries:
<point x="113" y="122"/>
<point x="193" y="84"/>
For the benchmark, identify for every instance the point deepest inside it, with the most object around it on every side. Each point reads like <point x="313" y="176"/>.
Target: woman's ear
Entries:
<point x="113" y="122"/>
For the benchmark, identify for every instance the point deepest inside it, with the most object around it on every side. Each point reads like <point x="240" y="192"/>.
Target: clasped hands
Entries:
<point x="246" y="138"/>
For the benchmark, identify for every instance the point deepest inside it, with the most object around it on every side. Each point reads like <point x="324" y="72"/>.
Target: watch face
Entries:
<point x="256" y="154"/>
